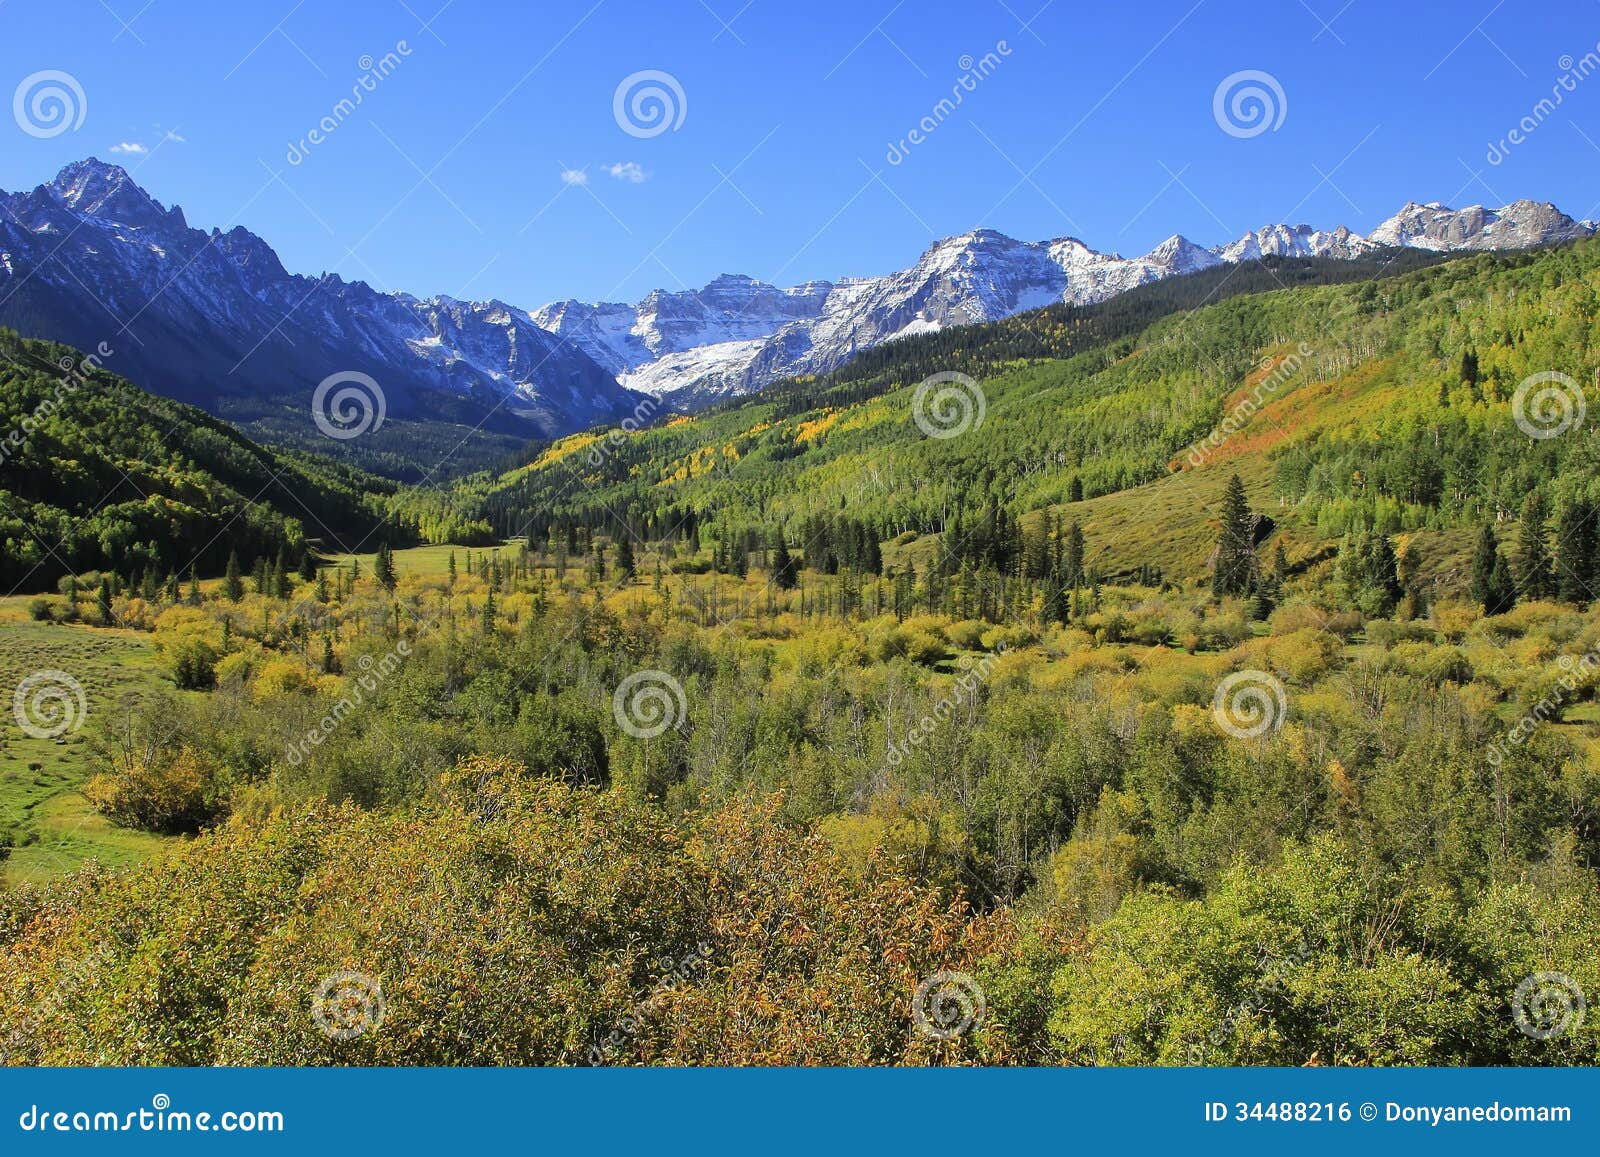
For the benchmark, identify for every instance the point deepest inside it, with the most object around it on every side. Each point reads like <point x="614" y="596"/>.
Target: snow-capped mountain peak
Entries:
<point x="980" y="275"/>
<point x="214" y="316"/>
<point x="566" y="364"/>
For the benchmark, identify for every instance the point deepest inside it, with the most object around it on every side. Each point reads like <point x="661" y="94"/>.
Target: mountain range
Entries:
<point x="737" y="335"/>
<point x="213" y="318"/>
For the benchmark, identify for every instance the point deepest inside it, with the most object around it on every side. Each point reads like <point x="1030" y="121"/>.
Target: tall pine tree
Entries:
<point x="1236" y="553"/>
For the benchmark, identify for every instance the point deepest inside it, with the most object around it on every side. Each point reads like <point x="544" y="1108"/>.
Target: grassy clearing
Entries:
<point x="422" y="560"/>
<point x="40" y="802"/>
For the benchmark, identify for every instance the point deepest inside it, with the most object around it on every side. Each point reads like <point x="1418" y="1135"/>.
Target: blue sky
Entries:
<point x="1095" y="121"/>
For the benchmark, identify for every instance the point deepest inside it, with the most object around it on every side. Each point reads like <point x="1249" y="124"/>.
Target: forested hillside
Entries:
<point x="1379" y="405"/>
<point x="99" y="475"/>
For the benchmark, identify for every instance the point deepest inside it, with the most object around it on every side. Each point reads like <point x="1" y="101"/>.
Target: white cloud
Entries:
<point x="129" y="149"/>
<point x="175" y="138"/>
<point x="630" y="171"/>
<point x="574" y="177"/>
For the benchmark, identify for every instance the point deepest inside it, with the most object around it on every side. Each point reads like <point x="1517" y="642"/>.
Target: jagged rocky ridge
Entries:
<point x="215" y="319"/>
<point x="91" y="257"/>
<point x="737" y="334"/>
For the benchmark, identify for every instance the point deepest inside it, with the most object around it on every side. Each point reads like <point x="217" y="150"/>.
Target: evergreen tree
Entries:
<point x="1384" y="573"/>
<point x="1535" y="574"/>
<point x="1575" y="540"/>
<point x="785" y="572"/>
<point x="1491" y="577"/>
<point x="1075" y="489"/>
<point x="232" y="587"/>
<point x="625" y="563"/>
<point x="308" y="566"/>
<point x="194" y="588"/>
<point x="103" y="601"/>
<point x="383" y="568"/>
<point x="1072" y="557"/>
<point x="1236" y="555"/>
